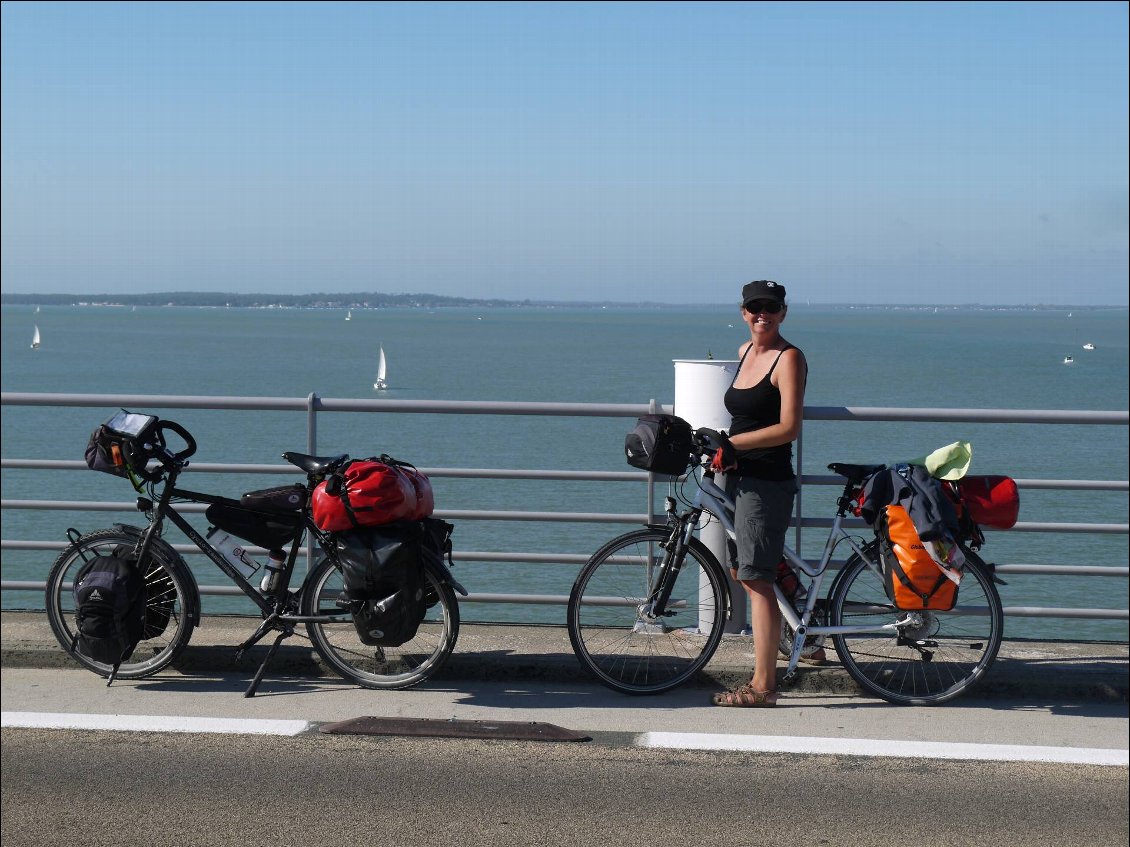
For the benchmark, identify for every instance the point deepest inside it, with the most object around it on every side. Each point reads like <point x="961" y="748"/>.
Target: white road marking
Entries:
<point x="151" y="723"/>
<point x="878" y="747"/>
<point x="669" y="740"/>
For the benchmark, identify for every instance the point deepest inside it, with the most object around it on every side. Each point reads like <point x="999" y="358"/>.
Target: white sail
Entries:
<point x="35" y="338"/>
<point x="382" y="372"/>
<point x="349" y="315"/>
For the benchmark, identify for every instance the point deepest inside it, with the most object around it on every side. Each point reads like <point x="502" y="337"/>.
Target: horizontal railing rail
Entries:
<point x="313" y="405"/>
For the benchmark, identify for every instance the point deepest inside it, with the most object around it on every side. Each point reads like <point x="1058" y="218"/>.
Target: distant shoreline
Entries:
<point x="435" y="301"/>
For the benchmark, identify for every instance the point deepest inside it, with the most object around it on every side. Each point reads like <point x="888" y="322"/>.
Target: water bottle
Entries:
<point x="789" y="583"/>
<point x="233" y="551"/>
<point x="276" y="561"/>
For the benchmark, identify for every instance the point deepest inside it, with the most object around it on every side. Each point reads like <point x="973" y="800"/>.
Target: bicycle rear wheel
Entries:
<point x="930" y="659"/>
<point x="618" y="642"/>
<point x="168" y="613"/>
<point x="376" y="666"/>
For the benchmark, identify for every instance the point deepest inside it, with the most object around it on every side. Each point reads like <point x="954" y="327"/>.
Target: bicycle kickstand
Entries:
<point x="250" y="692"/>
<point x="266" y="626"/>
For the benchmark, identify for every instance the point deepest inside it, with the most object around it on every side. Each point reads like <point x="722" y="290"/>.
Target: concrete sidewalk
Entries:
<point x="1039" y="671"/>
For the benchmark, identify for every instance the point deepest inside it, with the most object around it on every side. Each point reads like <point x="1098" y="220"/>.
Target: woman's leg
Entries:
<point x="766" y="633"/>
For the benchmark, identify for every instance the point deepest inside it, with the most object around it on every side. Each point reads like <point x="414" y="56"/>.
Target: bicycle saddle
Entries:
<point x="855" y="473"/>
<point x="316" y="464"/>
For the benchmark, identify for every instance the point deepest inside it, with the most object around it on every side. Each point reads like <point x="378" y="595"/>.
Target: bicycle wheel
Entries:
<point x="376" y="666"/>
<point x="615" y="638"/>
<point x="168" y="618"/>
<point x="934" y="656"/>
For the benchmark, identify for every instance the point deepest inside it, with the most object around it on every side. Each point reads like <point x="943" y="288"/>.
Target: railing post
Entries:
<point x="700" y="385"/>
<point x="312" y="449"/>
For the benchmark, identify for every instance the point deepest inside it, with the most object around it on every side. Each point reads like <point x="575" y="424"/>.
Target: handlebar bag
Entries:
<point x="366" y="493"/>
<point x="660" y="444"/>
<point x="114" y="453"/>
<point x="383" y="577"/>
<point x="990" y="500"/>
<point x="912" y="579"/>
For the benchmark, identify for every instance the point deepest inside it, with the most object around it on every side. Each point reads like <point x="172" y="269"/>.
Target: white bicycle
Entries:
<point x="648" y="610"/>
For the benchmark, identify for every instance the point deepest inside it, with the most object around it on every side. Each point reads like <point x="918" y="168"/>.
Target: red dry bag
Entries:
<point x="990" y="500"/>
<point x="366" y="493"/>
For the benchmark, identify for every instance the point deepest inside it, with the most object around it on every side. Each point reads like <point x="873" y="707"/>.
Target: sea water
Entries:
<point x="949" y="358"/>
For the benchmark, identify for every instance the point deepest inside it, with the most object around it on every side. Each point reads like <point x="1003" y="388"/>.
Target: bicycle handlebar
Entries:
<point x="159" y="449"/>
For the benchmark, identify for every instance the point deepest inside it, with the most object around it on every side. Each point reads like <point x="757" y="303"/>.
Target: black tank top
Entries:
<point x="756" y="408"/>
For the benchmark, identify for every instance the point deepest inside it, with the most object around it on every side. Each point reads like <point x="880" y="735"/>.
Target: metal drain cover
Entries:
<point x="437" y="728"/>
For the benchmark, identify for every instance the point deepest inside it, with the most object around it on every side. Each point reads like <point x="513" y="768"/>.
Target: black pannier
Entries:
<point x="273" y="531"/>
<point x="660" y="444"/>
<point x="110" y="598"/>
<point x="384" y="584"/>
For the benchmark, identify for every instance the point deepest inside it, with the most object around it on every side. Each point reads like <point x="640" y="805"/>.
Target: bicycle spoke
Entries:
<point x="934" y="655"/>
<point x="611" y="626"/>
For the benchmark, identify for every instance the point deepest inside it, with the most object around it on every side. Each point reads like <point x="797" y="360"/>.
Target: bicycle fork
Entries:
<point x="676" y="553"/>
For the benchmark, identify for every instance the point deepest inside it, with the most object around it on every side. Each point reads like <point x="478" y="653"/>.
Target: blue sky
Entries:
<point x="857" y="152"/>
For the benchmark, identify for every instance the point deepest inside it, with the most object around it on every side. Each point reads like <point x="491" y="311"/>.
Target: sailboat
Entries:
<point x="35" y="338"/>
<point x="349" y="315"/>
<point x="382" y="371"/>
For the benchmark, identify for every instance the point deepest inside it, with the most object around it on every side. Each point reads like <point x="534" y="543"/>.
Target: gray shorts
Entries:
<point x="761" y="519"/>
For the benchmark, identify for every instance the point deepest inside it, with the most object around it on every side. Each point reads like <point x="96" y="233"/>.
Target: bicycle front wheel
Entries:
<point x="612" y="631"/>
<point x="377" y="666"/>
<point x="168" y="617"/>
<point x="929" y="657"/>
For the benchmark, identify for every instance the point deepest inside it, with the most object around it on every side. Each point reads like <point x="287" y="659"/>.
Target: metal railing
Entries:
<point x="313" y="405"/>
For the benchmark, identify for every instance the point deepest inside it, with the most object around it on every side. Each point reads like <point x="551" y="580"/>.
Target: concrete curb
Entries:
<point x="1040" y="672"/>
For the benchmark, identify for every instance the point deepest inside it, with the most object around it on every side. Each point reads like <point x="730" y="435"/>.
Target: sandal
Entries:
<point x="746" y="697"/>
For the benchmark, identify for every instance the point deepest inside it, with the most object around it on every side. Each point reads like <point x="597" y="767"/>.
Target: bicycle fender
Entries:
<point x="445" y="575"/>
<point x="173" y="559"/>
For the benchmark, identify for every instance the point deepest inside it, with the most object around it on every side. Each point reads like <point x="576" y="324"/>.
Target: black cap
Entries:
<point x="763" y="289"/>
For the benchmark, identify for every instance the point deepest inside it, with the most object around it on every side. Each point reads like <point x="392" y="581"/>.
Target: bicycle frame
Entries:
<point x="277" y="607"/>
<point x="711" y="498"/>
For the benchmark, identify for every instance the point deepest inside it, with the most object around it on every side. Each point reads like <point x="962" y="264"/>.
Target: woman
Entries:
<point x="766" y="404"/>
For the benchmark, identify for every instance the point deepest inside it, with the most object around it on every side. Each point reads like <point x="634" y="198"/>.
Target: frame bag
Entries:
<point x="912" y="579"/>
<point x="660" y="444"/>
<point x="110" y="599"/>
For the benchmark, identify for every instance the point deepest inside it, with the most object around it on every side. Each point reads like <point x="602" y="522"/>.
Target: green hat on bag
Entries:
<point x="950" y="462"/>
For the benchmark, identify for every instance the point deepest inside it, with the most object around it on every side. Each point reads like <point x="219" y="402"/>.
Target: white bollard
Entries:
<point x="700" y="388"/>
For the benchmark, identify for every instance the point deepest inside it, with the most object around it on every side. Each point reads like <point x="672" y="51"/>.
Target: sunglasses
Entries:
<point x="769" y="307"/>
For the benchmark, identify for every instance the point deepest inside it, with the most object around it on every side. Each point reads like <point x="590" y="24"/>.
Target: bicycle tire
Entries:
<point x="939" y="656"/>
<point x="616" y="644"/>
<point x="169" y="610"/>
<point x="379" y="667"/>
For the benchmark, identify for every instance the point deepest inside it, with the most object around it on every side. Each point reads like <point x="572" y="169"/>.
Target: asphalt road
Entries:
<point x="107" y="788"/>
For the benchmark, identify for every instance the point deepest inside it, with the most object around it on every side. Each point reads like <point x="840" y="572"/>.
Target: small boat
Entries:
<point x="35" y="338"/>
<point x="1067" y="360"/>
<point x="1088" y="346"/>
<point x="382" y="372"/>
<point x="349" y="315"/>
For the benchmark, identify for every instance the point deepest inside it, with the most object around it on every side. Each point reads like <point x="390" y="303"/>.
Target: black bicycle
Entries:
<point x="281" y="515"/>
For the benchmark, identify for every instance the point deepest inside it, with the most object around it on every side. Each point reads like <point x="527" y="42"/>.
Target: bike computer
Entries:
<point x="130" y="424"/>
